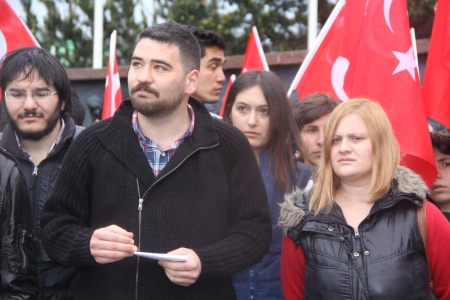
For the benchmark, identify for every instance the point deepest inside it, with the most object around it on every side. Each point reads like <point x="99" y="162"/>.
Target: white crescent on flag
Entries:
<point x="338" y="71"/>
<point x="387" y="9"/>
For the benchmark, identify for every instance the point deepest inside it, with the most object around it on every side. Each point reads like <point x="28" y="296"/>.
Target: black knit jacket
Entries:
<point x="210" y="197"/>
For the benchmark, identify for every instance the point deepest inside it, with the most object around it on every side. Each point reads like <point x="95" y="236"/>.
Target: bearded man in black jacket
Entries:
<point x="159" y="176"/>
<point x="37" y="95"/>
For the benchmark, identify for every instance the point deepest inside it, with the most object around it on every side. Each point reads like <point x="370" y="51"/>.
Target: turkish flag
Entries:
<point x="436" y="81"/>
<point x="254" y="58"/>
<point x="365" y="50"/>
<point x="14" y="33"/>
<point x="113" y="94"/>
<point x="224" y="102"/>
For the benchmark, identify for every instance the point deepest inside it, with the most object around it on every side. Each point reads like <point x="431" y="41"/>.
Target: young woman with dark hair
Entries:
<point x="258" y="106"/>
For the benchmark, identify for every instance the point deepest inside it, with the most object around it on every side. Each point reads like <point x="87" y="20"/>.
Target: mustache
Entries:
<point x="30" y="113"/>
<point x="146" y="87"/>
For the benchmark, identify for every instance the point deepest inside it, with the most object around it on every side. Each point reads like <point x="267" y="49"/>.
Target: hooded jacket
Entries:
<point x="384" y="258"/>
<point x="17" y="263"/>
<point x="55" y="281"/>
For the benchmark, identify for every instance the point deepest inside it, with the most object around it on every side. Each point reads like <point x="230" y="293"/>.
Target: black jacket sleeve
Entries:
<point x="17" y="262"/>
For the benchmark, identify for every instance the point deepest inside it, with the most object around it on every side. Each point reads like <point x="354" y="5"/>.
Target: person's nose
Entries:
<point x="29" y="103"/>
<point x="220" y="76"/>
<point x="344" y="146"/>
<point x="320" y="138"/>
<point x="252" y="119"/>
<point x="145" y="76"/>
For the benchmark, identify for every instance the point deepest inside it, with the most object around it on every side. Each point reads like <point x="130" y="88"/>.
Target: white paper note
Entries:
<point x="161" y="256"/>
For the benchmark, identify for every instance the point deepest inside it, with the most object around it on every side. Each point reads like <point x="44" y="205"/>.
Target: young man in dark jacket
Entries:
<point x="159" y="176"/>
<point x="17" y="260"/>
<point x="211" y="75"/>
<point x="37" y="94"/>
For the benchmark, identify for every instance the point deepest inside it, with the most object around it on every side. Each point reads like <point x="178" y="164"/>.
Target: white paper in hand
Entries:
<point x="161" y="256"/>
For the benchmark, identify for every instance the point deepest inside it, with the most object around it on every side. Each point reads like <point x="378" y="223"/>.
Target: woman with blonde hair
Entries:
<point x="361" y="238"/>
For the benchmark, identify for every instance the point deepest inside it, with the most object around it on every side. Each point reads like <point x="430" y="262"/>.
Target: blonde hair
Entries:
<point x="386" y="153"/>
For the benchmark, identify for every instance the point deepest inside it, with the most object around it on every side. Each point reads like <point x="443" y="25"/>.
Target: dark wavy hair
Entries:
<point x="206" y="39"/>
<point x="172" y="33"/>
<point x="312" y="107"/>
<point x="441" y="141"/>
<point x="283" y="131"/>
<point x="25" y="63"/>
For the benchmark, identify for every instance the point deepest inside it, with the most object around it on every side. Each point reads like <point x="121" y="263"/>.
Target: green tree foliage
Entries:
<point x="66" y="32"/>
<point x="119" y="15"/>
<point x="282" y="24"/>
<point x="31" y="19"/>
<point x="421" y="17"/>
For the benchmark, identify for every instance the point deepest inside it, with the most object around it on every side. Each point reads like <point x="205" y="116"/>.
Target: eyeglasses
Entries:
<point x="20" y="96"/>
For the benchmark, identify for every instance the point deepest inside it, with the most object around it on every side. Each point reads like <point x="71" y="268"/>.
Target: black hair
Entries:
<point x="176" y="34"/>
<point x="25" y="63"/>
<point x="283" y="132"/>
<point x="77" y="111"/>
<point x="206" y="39"/>
<point x="312" y="107"/>
<point x="441" y="141"/>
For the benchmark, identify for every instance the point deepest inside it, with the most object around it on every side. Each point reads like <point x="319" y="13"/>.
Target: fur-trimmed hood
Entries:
<point x="407" y="182"/>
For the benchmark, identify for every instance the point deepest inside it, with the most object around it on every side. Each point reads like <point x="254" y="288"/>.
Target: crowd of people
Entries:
<point x="270" y="202"/>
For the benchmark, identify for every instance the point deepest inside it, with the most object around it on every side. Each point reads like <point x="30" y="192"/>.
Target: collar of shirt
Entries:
<point x="146" y="142"/>
<point x="156" y="156"/>
<point x="52" y="148"/>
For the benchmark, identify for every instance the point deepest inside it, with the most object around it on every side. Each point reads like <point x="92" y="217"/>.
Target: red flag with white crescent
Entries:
<point x="254" y="58"/>
<point x="113" y="93"/>
<point x="365" y="50"/>
<point x="436" y="81"/>
<point x="14" y="33"/>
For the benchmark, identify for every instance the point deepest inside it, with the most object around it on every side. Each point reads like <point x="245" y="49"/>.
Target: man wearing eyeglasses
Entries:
<point x="36" y="92"/>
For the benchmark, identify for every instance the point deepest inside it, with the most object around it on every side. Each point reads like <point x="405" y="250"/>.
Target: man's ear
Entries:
<point x="63" y="105"/>
<point x="192" y="81"/>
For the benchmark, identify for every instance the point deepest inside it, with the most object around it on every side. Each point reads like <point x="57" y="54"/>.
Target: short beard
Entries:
<point x="161" y="106"/>
<point x="36" y="135"/>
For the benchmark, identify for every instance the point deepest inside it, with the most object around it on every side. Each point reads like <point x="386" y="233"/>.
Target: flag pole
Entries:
<point x="414" y="44"/>
<point x="97" y="55"/>
<point x="312" y="22"/>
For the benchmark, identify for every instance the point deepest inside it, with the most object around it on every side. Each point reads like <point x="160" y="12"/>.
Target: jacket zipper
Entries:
<point x="24" y="253"/>
<point x="139" y="237"/>
<point x="141" y="200"/>
<point x="36" y="186"/>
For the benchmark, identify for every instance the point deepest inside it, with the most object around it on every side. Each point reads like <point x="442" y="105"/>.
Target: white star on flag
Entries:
<point x="406" y="62"/>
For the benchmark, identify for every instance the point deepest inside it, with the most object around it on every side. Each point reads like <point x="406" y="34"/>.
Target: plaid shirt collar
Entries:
<point x="156" y="156"/>
<point x="52" y="148"/>
<point x="146" y="142"/>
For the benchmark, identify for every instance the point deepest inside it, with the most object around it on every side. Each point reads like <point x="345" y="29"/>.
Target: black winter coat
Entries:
<point x="384" y="258"/>
<point x="210" y="197"/>
<point x="17" y="261"/>
<point x="55" y="281"/>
